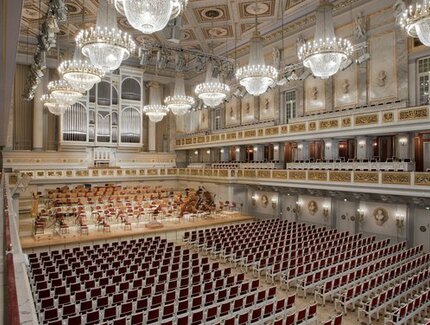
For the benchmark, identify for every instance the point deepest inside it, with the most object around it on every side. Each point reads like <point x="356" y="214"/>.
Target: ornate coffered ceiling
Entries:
<point x="227" y="24"/>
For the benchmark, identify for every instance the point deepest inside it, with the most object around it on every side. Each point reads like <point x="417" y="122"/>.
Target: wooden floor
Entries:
<point x="29" y="241"/>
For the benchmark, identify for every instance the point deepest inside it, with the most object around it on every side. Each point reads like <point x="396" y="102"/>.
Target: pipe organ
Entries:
<point x="110" y="114"/>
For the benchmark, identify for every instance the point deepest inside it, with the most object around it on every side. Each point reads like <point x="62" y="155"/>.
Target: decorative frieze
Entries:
<point x="294" y="128"/>
<point x="388" y="117"/>
<point x="422" y="179"/>
<point x="366" y="177"/>
<point x="280" y="174"/>
<point x="329" y="124"/>
<point x="366" y="119"/>
<point x="340" y="177"/>
<point x="317" y="175"/>
<point x="297" y="175"/>
<point x="263" y="173"/>
<point x="272" y="131"/>
<point x="413" y="114"/>
<point x="396" y="178"/>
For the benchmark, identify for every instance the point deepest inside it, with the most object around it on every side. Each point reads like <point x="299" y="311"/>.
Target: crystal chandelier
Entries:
<point x="63" y="93"/>
<point x="325" y="54"/>
<point x="256" y="77"/>
<point x="150" y="16"/>
<point x="179" y="103"/>
<point x="155" y="110"/>
<point x="212" y="91"/>
<point x="80" y="73"/>
<point x="53" y="106"/>
<point x="105" y="45"/>
<point x="415" y="20"/>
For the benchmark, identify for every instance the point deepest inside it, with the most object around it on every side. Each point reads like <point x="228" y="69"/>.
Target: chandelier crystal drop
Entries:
<point x="415" y="20"/>
<point x="150" y="16"/>
<point x="325" y="54"/>
<point x="155" y="110"/>
<point x="63" y="93"/>
<point x="105" y="45"/>
<point x="79" y="72"/>
<point x="212" y="91"/>
<point x="179" y="103"/>
<point x="256" y="77"/>
<point x="53" y="106"/>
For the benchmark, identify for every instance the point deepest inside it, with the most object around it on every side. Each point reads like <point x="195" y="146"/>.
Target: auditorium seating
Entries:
<point x="147" y="280"/>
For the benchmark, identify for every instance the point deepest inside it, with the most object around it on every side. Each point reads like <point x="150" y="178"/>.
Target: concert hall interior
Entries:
<point x="215" y="162"/>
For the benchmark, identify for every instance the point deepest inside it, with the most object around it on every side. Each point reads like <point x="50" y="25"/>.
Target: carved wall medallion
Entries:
<point x="388" y="117"/>
<point x="152" y="172"/>
<point x="208" y="172"/>
<point x="297" y="175"/>
<point x="94" y="173"/>
<point x="142" y="172"/>
<point x="380" y="215"/>
<point x="329" y="124"/>
<point x="413" y="114"/>
<point x="312" y="207"/>
<point x="312" y="126"/>
<point x="298" y="127"/>
<point x="284" y="129"/>
<point x="341" y="177"/>
<point x="346" y="122"/>
<point x="41" y="174"/>
<point x="396" y="178"/>
<point x="264" y="200"/>
<point x="172" y="171"/>
<point x="188" y="141"/>
<point x="366" y="119"/>
<point x="201" y="139"/>
<point x="423" y="228"/>
<point x="162" y="172"/>
<point x="422" y="179"/>
<point x="343" y="217"/>
<point x="317" y="175"/>
<point x="366" y="177"/>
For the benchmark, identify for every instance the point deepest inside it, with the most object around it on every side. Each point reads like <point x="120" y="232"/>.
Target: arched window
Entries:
<point x="103" y="127"/>
<point x="104" y="93"/>
<point x="130" y="125"/>
<point x="75" y="123"/>
<point x="130" y="89"/>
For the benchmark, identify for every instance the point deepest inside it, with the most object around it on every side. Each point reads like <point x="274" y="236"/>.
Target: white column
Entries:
<point x="403" y="143"/>
<point x="38" y="116"/>
<point x="154" y="92"/>
<point x="225" y="154"/>
<point x="259" y="152"/>
<point x="363" y="147"/>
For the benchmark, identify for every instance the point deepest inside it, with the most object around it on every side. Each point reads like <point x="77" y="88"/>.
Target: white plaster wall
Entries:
<point x="388" y="229"/>
<point x="317" y="218"/>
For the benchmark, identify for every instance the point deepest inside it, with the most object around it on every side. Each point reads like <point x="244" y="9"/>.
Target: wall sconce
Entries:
<point x="298" y="208"/>
<point x="328" y="145"/>
<point x="341" y="146"/>
<point x="237" y="149"/>
<point x="196" y="152"/>
<point x="254" y="199"/>
<point x="222" y="151"/>
<point x="403" y="141"/>
<point x="375" y="144"/>
<point x="300" y="146"/>
<point x="208" y="152"/>
<point x="255" y="148"/>
<point x="400" y="221"/>
<point x="360" y="215"/>
<point x="325" y="210"/>
<point x="362" y="143"/>
<point x="275" y="148"/>
<point x="274" y="202"/>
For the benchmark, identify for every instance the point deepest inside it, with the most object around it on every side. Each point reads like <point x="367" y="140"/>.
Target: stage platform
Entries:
<point x="178" y="226"/>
